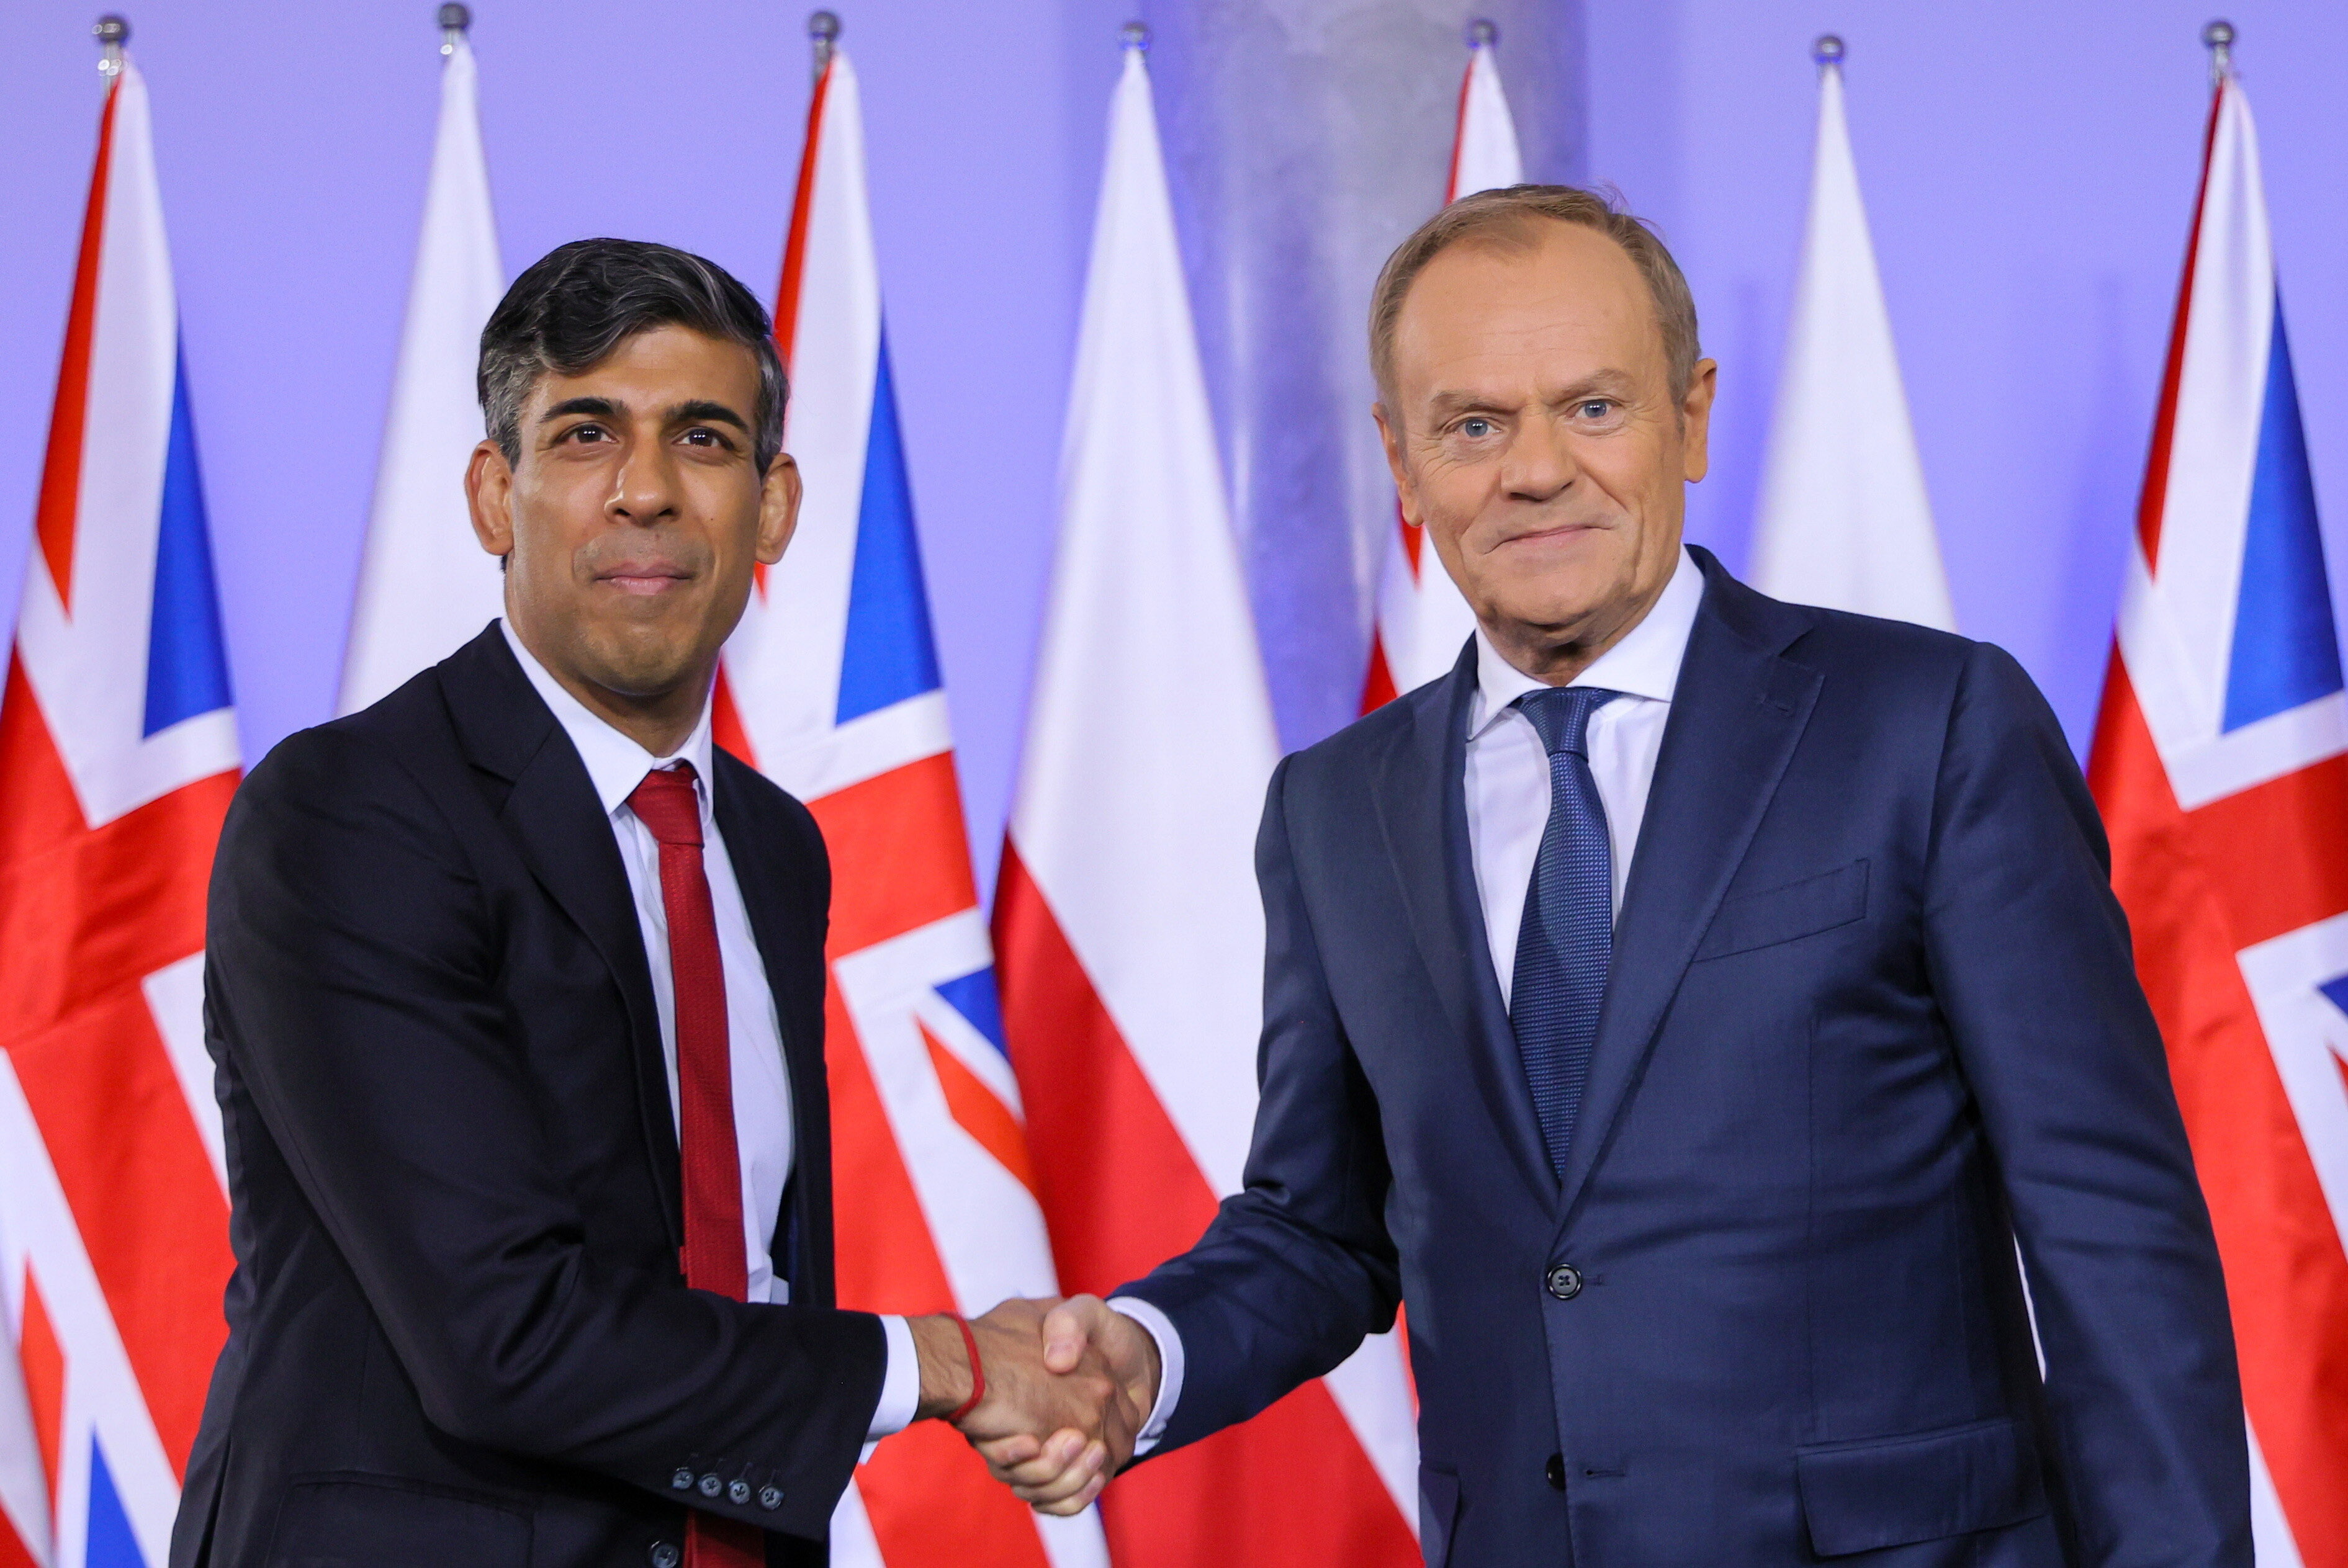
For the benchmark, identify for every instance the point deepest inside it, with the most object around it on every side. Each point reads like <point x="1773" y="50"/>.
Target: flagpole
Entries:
<point x="111" y="32"/>
<point x="1134" y="36"/>
<point x="823" y="36"/>
<point x="1827" y="51"/>
<point x="2217" y="37"/>
<point x="455" y="21"/>
<point x="1483" y="32"/>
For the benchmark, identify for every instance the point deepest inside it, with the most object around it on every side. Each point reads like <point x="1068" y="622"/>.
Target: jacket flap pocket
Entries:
<point x="1777" y="915"/>
<point x="1890" y="1491"/>
<point x="351" y="1520"/>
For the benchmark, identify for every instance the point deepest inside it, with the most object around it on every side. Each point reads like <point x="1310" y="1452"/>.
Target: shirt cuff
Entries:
<point x="1160" y="1327"/>
<point x="901" y="1387"/>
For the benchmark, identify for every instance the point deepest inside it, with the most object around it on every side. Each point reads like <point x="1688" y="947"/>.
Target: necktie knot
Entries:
<point x="1561" y="716"/>
<point x="666" y="804"/>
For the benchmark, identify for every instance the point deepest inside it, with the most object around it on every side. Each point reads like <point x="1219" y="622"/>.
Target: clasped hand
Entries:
<point x="1070" y="1385"/>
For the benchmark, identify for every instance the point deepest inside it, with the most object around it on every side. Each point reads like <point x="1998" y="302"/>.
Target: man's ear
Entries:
<point x="489" y="492"/>
<point x="1695" y="420"/>
<point x="1390" y="437"/>
<point x="778" y="509"/>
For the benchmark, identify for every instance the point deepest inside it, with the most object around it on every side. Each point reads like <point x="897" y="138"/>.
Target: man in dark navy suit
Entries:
<point x="1685" y="1007"/>
<point x="515" y="984"/>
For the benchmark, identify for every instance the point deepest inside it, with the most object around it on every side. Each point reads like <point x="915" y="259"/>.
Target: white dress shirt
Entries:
<point x="1507" y="809"/>
<point x="762" y="1085"/>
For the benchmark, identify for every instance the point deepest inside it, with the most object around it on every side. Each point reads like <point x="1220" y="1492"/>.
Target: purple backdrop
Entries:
<point x="2029" y="170"/>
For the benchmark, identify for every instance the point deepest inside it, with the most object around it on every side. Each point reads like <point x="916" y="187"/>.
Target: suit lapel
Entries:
<point x="1423" y="810"/>
<point x="561" y="828"/>
<point x="806" y="1203"/>
<point x="1738" y="709"/>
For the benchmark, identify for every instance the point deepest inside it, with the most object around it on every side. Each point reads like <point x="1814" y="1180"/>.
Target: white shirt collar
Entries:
<point x="616" y="764"/>
<point x="1645" y="664"/>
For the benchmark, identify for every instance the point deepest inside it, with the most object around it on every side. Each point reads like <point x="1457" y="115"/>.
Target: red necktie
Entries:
<point x="714" y="1256"/>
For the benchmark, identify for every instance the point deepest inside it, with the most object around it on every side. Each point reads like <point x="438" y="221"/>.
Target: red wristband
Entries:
<point x="977" y="1371"/>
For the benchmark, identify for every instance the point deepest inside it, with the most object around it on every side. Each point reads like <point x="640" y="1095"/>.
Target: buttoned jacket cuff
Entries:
<point x="1160" y="1328"/>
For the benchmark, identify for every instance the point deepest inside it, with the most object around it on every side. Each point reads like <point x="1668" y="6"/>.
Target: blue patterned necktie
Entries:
<point x="1567" y="940"/>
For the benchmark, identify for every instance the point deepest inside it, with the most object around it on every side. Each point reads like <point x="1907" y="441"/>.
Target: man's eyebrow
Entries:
<point x="599" y="407"/>
<point x="1443" y="403"/>
<point x="703" y="411"/>
<point x="1606" y="383"/>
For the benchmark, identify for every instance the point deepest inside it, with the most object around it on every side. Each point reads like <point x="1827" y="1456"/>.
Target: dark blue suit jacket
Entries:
<point x="1872" y="1018"/>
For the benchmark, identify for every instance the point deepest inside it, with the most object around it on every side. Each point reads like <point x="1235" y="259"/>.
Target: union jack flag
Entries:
<point x="2220" y="762"/>
<point x="117" y="757"/>
<point x="831" y="687"/>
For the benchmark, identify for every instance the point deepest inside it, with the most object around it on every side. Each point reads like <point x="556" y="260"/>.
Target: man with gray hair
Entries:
<point x="1685" y="1007"/>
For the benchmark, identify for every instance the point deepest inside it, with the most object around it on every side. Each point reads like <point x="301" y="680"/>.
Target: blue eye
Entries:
<point x="1596" y="408"/>
<point x="1475" y="429"/>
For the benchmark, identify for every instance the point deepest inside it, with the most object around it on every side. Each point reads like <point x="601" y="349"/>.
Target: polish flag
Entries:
<point x="425" y="586"/>
<point x="1845" y="522"/>
<point x="117" y="757"/>
<point x="831" y="687"/>
<point x="1127" y="913"/>
<point x="2221" y="763"/>
<point x="1422" y="620"/>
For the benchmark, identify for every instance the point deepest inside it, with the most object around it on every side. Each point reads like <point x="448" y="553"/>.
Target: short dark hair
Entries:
<point x="1511" y="217"/>
<point x="578" y="302"/>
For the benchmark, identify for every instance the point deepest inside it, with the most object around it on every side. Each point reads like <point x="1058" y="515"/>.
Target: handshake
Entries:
<point x="1062" y="1389"/>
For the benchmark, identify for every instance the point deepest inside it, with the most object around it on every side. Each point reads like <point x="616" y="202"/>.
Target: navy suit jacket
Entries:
<point x="1872" y="1019"/>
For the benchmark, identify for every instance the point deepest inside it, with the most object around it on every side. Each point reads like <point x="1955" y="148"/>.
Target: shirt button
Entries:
<point x="1564" y="1282"/>
<point x="738" y="1494"/>
<point x="770" y="1498"/>
<point x="710" y="1485"/>
<point x="682" y="1480"/>
<point x="1555" y="1470"/>
<point x="664" y="1554"/>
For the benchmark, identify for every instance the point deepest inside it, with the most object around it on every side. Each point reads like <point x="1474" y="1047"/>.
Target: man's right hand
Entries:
<point x="1059" y="1472"/>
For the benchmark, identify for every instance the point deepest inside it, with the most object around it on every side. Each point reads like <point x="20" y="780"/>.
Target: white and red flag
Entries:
<point x="425" y="587"/>
<point x="831" y="686"/>
<point x="2221" y="763"/>
<point x="117" y="757"/>
<point x="1422" y="622"/>
<point x="1127" y="915"/>
<point x="1845" y="521"/>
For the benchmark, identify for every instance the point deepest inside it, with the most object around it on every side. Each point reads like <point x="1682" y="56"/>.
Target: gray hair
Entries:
<point x="1512" y="218"/>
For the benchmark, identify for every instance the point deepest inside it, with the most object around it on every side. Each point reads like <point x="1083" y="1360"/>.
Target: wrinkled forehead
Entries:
<point x="1548" y="309"/>
<point x="658" y="367"/>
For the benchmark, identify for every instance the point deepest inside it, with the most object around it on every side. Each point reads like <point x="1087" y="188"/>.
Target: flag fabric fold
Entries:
<point x="2220" y="763"/>
<point x="1421" y="618"/>
<point x="425" y="586"/>
<point x="117" y="757"/>
<point x="1126" y="917"/>
<point x="831" y="686"/>
<point x="1844" y="520"/>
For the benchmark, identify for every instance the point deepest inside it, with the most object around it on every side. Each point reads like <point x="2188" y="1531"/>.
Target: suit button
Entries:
<point x="682" y="1480"/>
<point x="1564" y="1282"/>
<point x="710" y="1485"/>
<point x="738" y="1494"/>
<point x="664" y="1554"/>
<point x="1555" y="1470"/>
<point x="770" y="1497"/>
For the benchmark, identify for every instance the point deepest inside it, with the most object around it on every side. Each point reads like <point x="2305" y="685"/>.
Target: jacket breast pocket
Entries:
<point x="1894" y="1491"/>
<point x="1775" y="915"/>
<point x="356" y="1521"/>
